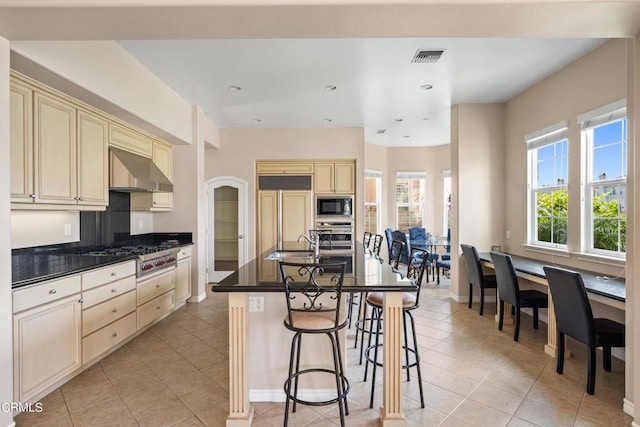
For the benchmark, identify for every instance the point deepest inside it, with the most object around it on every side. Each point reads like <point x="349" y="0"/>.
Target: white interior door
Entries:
<point x="227" y="218"/>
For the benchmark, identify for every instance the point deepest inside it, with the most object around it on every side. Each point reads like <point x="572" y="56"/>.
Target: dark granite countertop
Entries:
<point x="367" y="272"/>
<point x="27" y="269"/>
<point x="594" y="282"/>
<point x="38" y="264"/>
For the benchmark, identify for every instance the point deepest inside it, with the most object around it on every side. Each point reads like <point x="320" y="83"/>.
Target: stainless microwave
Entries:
<point x="334" y="206"/>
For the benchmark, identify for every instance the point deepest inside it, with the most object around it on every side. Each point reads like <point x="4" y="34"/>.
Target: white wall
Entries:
<point x="6" y="329"/>
<point x="106" y="76"/>
<point x="37" y="228"/>
<point x="477" y="184"/>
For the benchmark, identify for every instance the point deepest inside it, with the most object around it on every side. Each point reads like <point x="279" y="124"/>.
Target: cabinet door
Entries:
<point x="46" y="345"/>
<point x="93" y="184"/>
<point x="323" y="178"/>
<point x="163" y="159"/>
<point x="267" y="232"/>
<point x="21" y="124"/>
<point x="344" y="178"/>
<point x="296" y="214"/>
<point x="183" y="280"/>
<point x="55" y="150"/>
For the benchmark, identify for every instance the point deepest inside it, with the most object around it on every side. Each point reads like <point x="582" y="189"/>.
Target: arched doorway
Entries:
<point x="226" y="225"/>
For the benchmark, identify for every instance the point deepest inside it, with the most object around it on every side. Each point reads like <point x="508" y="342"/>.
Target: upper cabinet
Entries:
<point x="282" y="167"/>
<point x="335" y="177"/>
<point x="58" y="152"/>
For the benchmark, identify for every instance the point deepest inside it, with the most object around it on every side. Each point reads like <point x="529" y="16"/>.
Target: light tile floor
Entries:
<point x="175" y="374"/>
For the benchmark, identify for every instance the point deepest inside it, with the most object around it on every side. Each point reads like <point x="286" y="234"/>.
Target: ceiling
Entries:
<point x="283" y="82"/>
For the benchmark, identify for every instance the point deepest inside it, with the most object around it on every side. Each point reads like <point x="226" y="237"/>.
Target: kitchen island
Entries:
<point x="367" y="274"/>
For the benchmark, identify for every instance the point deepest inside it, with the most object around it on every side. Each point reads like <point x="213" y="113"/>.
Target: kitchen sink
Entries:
<point x="289" y="254"/>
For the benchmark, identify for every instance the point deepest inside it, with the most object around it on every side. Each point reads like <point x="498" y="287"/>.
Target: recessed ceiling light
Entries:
<point x="426" y="87"/>
<point x="330" y="87"/>
<point x="398" y="120"/>
<point x="405" y="136"/>
<point x="327" y="120"/>
<point x="235" y="88"/>
<point x="426" y="118"/>
<point x="381" y="131"/>
<point x="256" y="120"/>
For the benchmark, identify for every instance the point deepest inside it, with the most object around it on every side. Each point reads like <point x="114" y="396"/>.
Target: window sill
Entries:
<point x="600" y="259"/>
<point x="546" y="250"/>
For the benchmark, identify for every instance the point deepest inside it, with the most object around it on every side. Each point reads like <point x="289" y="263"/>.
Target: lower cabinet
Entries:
<point x="183" y="275"/>
<point x="103" y="339"/>
<point x="46" y="345"/>
<point x="155" y="308"/>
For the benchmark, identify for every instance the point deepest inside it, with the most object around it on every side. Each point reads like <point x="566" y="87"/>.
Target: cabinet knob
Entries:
<point x="115" y="334"/>
<point x="52" y="291"/>
<point x="81" y="198"/>
<point x="155" y="203"/>
<point x="157" y="286"/>
<point x="33" y="196"/>
<point x="81" y="300"/>
<point x="158" y="308"/>
<point x="114" y="290"/>
<point x="115" y="310"/>
<point x="113" y="274"/>
<point x="241" y="237"/>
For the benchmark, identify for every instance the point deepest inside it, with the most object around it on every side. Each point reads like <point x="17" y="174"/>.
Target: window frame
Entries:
<point x="410" y="176"/>
<point x="377" y="175"/>
<point x="548" y="136"/>
<point x="589" y="122"/>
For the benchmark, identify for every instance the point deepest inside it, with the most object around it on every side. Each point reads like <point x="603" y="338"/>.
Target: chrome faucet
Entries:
<point x="304" y="236"/>
<point x="315" y="245"/>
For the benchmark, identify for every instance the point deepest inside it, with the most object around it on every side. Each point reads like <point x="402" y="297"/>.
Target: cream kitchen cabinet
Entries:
<point x="58" y="152"/>
<point x="183" y="275"/>
<point x="130" y="140"/>
<point x="338" y="177"/>
<point x="284" y="168"/>
<point x="156" y="296"/>
<point x="160" y="201"/>
<point x="47" y="335"/>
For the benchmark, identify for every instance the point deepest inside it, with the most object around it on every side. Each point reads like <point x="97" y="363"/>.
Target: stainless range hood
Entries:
<point x="133" y="173"/>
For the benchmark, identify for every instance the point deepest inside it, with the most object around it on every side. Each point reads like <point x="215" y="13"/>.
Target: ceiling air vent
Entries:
<point x="423" y="56"/>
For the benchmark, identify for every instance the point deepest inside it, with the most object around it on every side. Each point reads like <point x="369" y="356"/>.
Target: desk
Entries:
<point x="368" y="275"/>
<point x="610" y="292"/>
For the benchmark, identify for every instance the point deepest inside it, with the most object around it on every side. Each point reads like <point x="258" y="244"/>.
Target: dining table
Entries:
<point x="368" y="273"/>
<point x="601" y="288"/>
<point x="431" y="244"/>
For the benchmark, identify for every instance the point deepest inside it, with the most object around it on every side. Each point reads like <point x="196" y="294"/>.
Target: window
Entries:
<point x="604" y="138"/>
<point x="372" y="200"/>
<point x="410" y="188"/>
<point x="548" y="179"/>
<point x="446" y="179"/>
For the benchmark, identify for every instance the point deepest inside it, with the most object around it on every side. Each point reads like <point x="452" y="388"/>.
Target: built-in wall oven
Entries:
<point x="339" y="234"/>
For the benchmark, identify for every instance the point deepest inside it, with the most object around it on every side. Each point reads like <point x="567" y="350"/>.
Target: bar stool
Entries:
<point x="417" y="265"/>
<point x="366" y="241"/>
<point x="313" y="307"/>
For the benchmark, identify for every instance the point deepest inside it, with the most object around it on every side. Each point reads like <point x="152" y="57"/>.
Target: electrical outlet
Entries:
<point x="508" y="234"/>
<point x="256" y="304"/>
<point x="67" y="229"/>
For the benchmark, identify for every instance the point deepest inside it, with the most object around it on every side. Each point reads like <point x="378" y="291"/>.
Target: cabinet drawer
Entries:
<point x="293" y="168"/>
<point x="157" y="285"/>
<point x="104" y="313"/>
<point x="110" y="290"/>
<point x="45" y="292"/>
<point x="105" y="338"/>
<point x="108" y="274"/>
<point x="185" y="252"/>
<point x="129" y="140"/>
<point x="155" y="308"/>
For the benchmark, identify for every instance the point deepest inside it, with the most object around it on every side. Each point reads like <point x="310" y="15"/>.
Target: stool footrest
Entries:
<point x="380" y="364"/>
<point x="345" y="387"/>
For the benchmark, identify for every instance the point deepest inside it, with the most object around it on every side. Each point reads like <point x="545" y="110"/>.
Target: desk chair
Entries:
<point x="475" y="275"/>
<point x="575" y="318"/>
<point x="313" y="307"/>
<point x="509" y="291"/>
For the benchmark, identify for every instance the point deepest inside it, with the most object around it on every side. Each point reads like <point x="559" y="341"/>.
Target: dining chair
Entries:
<point x="575" y="319"/>
<point x="402" y="237"/>
<point x="446" y="256"/>
<point x="314" y="307"/>
<point x="509" y="292"/>
<point x="418" y="237"/>
<point x="475" y="275"/>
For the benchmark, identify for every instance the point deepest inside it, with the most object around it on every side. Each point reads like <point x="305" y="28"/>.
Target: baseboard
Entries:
<point x="277" y="395"/>
<point x="198" y="298"/>
<point x="627" y="407"/>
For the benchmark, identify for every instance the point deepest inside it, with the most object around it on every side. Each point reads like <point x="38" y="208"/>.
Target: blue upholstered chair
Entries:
<point x="399" y="235"/>
<point x="419" y="239"/>
<point x="446" y="256"/>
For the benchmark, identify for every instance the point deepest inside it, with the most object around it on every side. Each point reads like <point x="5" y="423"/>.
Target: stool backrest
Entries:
<point x="472" y="261"/>
<point x="571" y="304"/>
<point x="366" y="240"/>
<point x="506" y="278"/>
<point x="395" y="253"/>
<point x="377" y="244"/>
<point x="418" y="261"/>
<point x="309" y="289"/>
